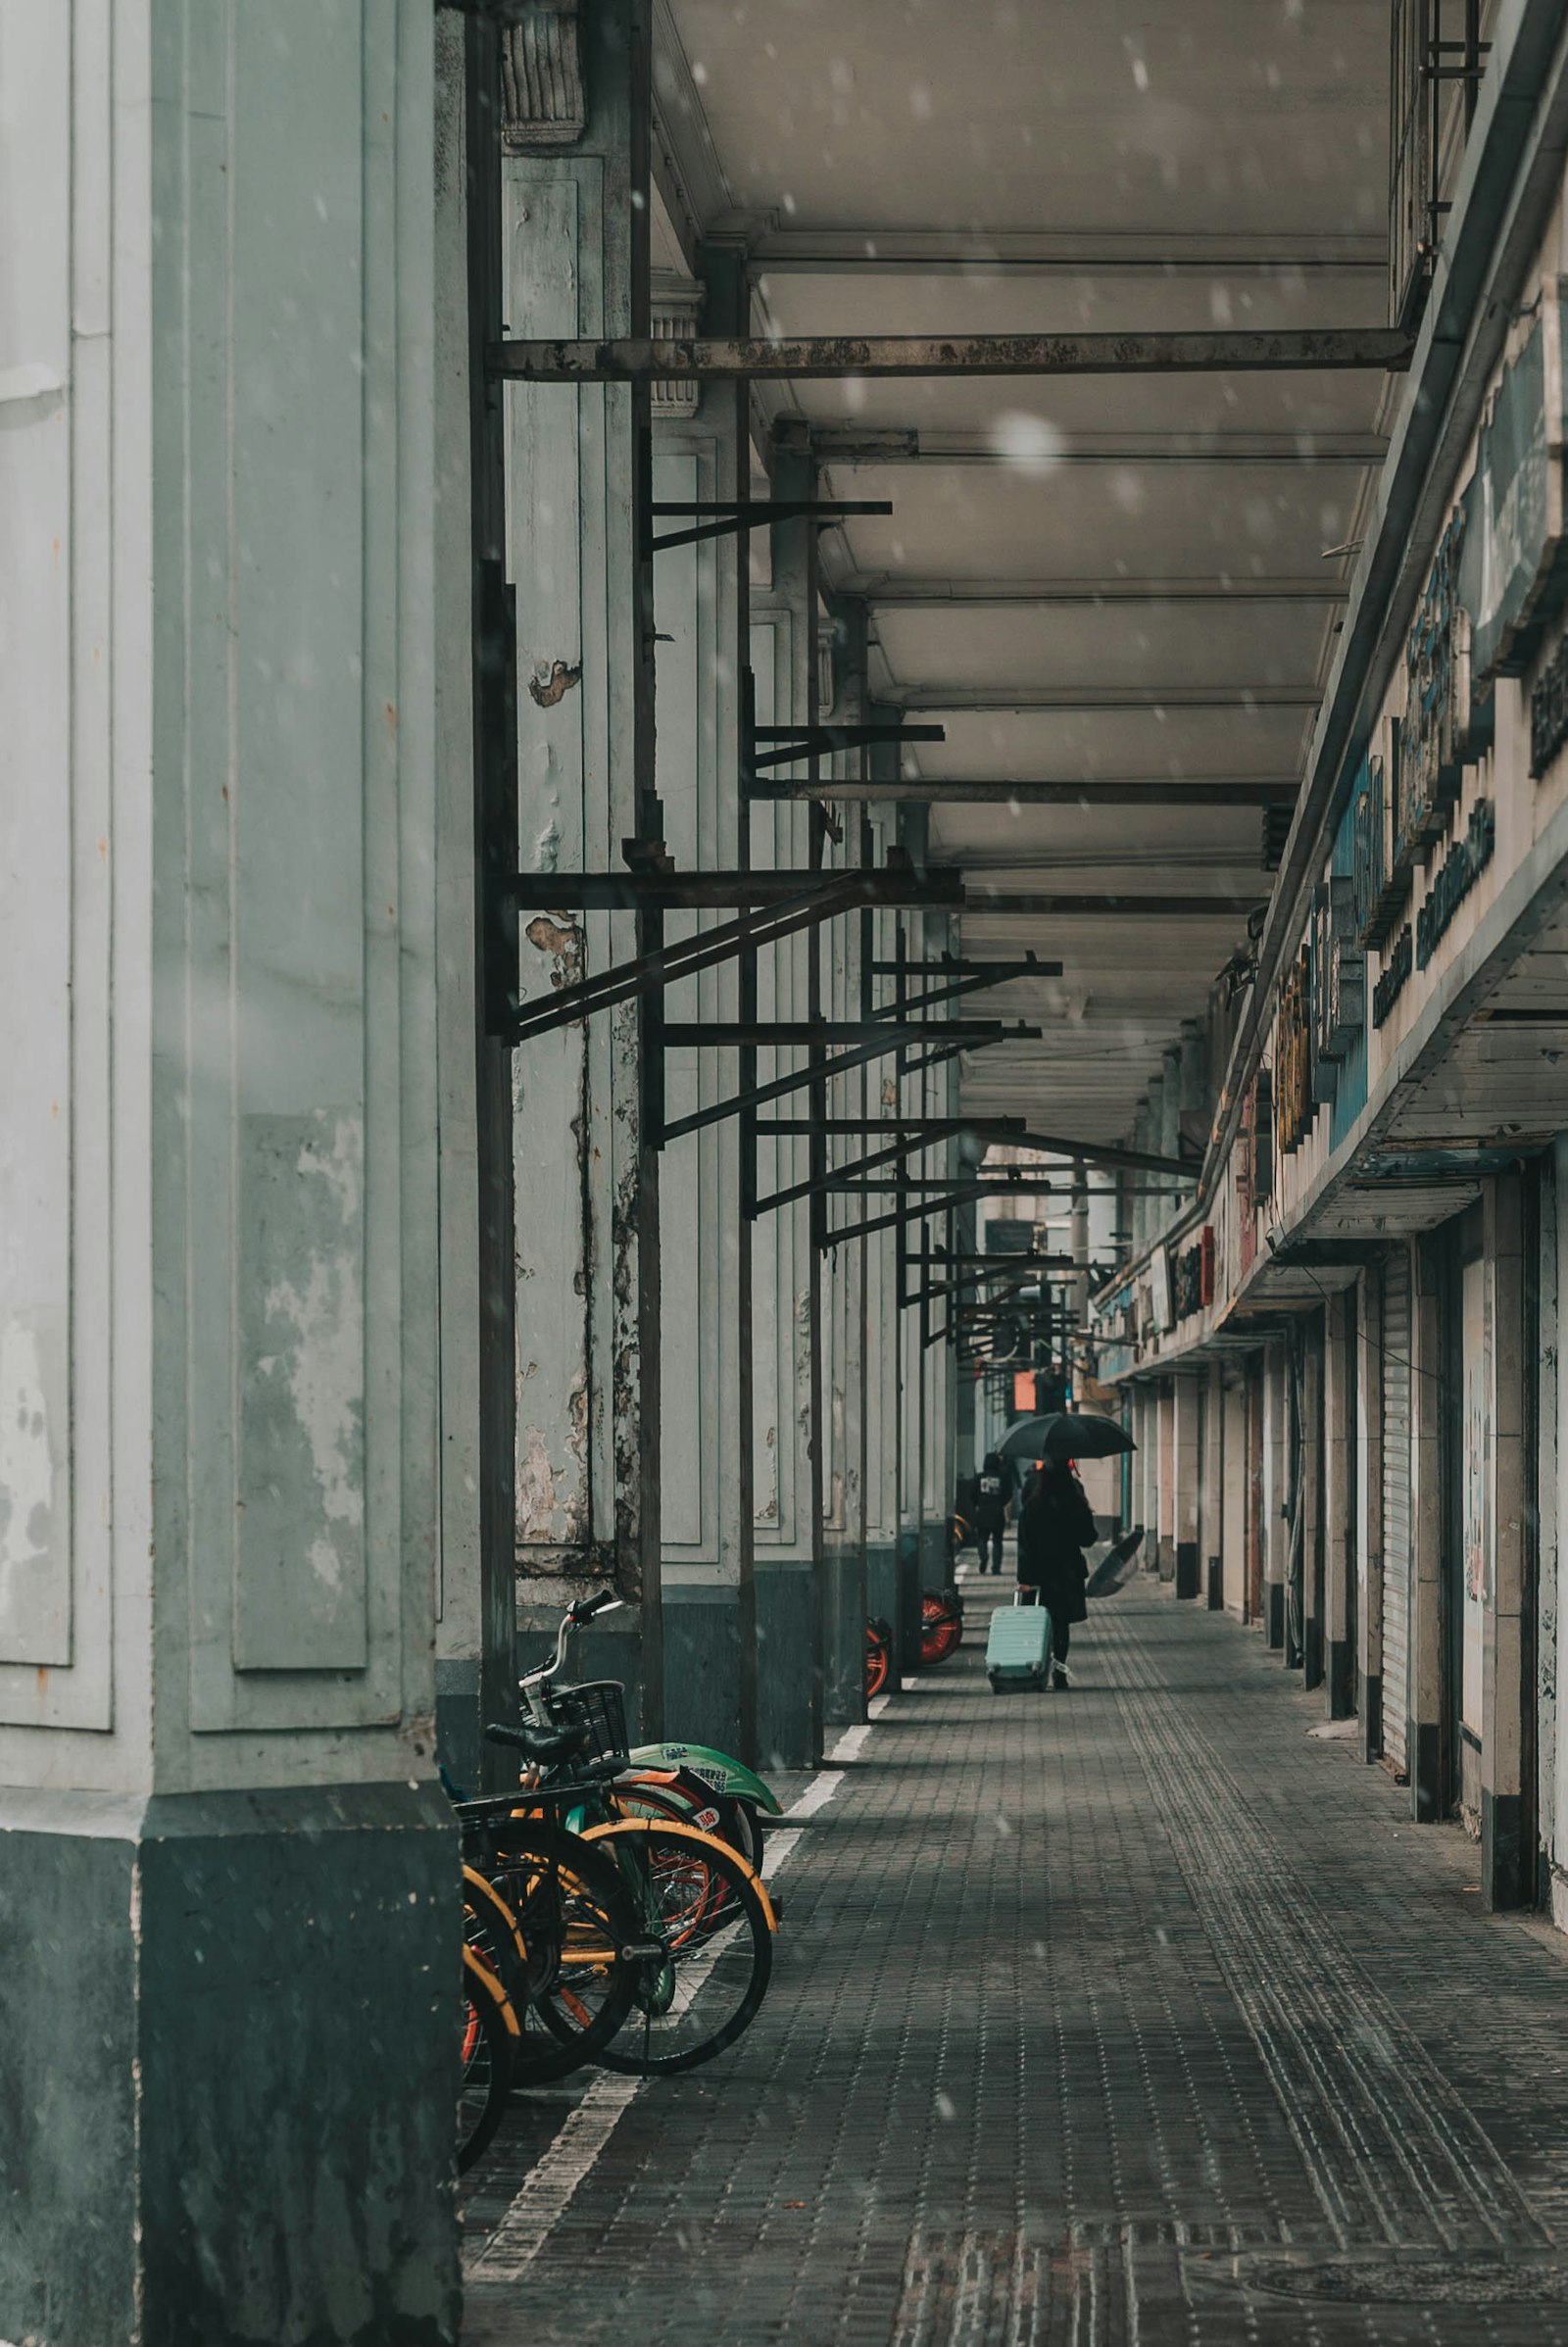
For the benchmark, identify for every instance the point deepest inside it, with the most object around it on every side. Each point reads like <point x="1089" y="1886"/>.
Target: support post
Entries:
<point x="1339" y="1529"/>
<point x="1186" y="1469"/>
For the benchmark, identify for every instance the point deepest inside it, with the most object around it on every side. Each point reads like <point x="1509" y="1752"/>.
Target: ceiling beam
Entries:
<point x="853" y="445"/>
<point x="1102" y="697"/>
<point x="828" y="358"/>
<point x="888" y="590"/>
<point x="1072" y="251"/>
<point x="925" y="790"/>
<point x="981" y="898"/>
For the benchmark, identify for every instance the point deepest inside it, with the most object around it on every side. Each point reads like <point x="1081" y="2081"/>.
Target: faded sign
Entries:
<point x="1514" y="534"/>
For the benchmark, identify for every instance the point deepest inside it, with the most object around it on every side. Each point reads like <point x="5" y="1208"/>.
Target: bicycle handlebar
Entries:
<point x="581" y="1610"/>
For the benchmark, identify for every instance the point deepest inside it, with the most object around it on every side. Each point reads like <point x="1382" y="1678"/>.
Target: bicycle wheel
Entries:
<point x="701" y="1900"/>
<point x="489" y="2027"/>
<point x="941" y="1629"/>
<point x="683" y="1799"/>
<point x="578" y="1926"/>
<point x="879" y="1662"/>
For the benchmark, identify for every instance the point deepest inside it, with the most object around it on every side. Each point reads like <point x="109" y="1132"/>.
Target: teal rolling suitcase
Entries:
<point x="1018" y="1648"/>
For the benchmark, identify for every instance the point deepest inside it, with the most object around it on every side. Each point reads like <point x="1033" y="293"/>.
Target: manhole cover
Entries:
<point x="1452" y="2281"/>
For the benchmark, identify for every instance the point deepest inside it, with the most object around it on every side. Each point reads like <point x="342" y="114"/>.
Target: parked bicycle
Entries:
<point x="611" y="1913"/>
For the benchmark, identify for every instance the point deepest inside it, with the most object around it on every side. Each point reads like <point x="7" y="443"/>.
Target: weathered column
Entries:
<point x="1148" y="1478"/>
<point x="1425" y="1742"/>
<point x="1338" y="1530"/>
<point x="1211" y="1488"/>
<point x="705" y="1320"/>
<point x="227" y="1928"/>
<point x="1310" y="1503"/>
<point x="1167" y="1500"/>
<point x="1370" y="1507"/>
<point x="1508" y="1866"/>
<point x="1185" y="1470"/>
<point x="587" y="1181"/>
<point x="1276" y="1489"/>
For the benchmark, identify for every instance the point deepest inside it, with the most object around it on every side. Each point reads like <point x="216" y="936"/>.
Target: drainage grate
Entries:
<point x="1426" y="2282"/>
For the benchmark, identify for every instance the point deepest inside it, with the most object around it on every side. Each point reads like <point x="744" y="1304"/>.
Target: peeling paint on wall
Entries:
<point x="34" y="1563"/>
<point x="300" y="1484"/>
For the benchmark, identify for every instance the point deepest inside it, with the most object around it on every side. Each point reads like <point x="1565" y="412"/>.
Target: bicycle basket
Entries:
<point x="599" y="1705"/>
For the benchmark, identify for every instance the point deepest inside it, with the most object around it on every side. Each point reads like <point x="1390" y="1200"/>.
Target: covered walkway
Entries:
<point x="1114" y="2016"/>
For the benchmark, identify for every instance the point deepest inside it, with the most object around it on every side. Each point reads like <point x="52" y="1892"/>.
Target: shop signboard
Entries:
<point x="1160" y="1294"/>
<point x="1436" y="734"/>
<point x="1512" y="560"/>
<point x="1294" y="1107"/>
<point x="1381" y="889"/>
<point x="1337" y="978"/>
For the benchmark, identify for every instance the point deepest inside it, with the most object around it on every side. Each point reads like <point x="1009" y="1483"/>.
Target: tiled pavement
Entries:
<point x="1130" y="2015"/>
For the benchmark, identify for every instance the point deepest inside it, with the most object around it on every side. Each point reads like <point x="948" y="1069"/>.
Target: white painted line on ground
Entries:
<point x="548" y="2190"/>
<point x="546" y="2193"/>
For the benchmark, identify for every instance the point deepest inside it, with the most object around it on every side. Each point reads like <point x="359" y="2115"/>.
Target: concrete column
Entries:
<point x="1149" y="1472"/>
<point x="1169" y="1508"/>
<point x="1211" y="1488"/>
<point x="1311" y="1497"/>
<point x="1186" y="1469"/>
<point x="705" y="1318"/>
<point x="1276" y="1488"/>
<point x="1370" y="1507"/>
<point x="1507" y="1868"/>
<point x="227" y="2061"/>
<point x="1229" y="1592"/>
<point x="1338" y="1530"/>
<point x="586" y="1182"/>
<point x="1427" y="1726"/>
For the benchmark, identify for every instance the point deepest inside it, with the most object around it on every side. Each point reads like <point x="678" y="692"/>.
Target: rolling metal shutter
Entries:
<point x="1396" y="1501"/>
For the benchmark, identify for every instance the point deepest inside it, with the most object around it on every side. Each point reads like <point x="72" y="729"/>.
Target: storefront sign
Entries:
<point x="1339" y="1000"/>
<point x="1293" y="1055"/>
<point x="1434" y="737"/>
<point x="1397" y="969"/>
<point x="1380" y="889"/>
<point x="1513" y="541"/>
<point x="1457" y="876"/>
<point x="1548" y="710"/>
<point x="1159" y="1289"/>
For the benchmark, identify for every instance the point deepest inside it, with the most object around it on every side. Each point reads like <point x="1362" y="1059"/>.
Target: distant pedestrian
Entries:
<point x="1055" y="1525"/>
<point x="994" y="1485"/>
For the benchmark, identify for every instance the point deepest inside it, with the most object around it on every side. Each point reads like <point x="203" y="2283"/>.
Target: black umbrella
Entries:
<point x="1066" y="1435"/>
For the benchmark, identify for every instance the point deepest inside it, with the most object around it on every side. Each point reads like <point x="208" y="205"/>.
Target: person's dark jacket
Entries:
<point x="994" y="1487"/>
<point x="1055" y="1525"/>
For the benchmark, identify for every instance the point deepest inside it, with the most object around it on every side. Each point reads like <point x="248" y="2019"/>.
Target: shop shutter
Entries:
<point x="1396" y="1501"/>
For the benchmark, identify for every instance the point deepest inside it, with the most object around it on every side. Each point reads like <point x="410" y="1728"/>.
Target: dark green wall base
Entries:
<point x="1424" y="1744"/>
<point x="881" y="1582"/>
<point x="1274" y="1615"/>
<point x="1215" y="1585"/>
<point x="1371" y="1719"/>
<point x="1312" y="1654"/>
<point x="907" y="1618"/>
<point x="844" y="1625"/>
<point x="1341" y="1677"/>
<point x="458" y="1723"/>
<point x="1185" y="1572"/>
<point x="232" y="2119"/>
<point x="784" y="1727"/>
<point x="702" y="1665"/>
<point x="1506" y="1878"/>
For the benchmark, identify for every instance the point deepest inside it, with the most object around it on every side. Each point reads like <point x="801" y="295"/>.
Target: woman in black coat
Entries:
<point x="1055" y="1525"/>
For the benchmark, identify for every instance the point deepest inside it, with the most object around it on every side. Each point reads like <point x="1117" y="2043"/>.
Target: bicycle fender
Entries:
<point x="704" y="1760"/>
<point x="726" y="1851"/>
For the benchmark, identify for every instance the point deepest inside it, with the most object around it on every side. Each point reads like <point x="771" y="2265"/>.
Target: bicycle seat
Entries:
<point x="542" y="1745"/>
